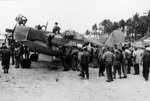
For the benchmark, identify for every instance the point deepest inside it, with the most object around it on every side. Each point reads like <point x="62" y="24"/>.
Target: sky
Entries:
<point x="78" y="15"/>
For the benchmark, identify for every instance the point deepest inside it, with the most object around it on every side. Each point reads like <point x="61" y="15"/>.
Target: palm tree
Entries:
<point x="129" y="29"/>
<point x="142" y="27"/>
<point x="101" y="28"/>
<point x="135" y="23"/>
<point x="115" y="26"/>
<point x="87" y="32"/>
<point x="95" y="28"/>
<point x="136" y="26"/>
<point x="122" y="24"/>
<point x="107" y="25"/>
<point x="148" y="22"/>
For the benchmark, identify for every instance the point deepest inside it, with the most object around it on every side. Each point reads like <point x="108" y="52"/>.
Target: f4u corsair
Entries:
<point x="42" y="41"/>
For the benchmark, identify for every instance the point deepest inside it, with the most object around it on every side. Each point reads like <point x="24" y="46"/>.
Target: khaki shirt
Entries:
<point x="108" y="56"/>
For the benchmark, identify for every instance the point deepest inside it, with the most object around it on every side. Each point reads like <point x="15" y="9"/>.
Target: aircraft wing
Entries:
<point x="93" y="41"/>
<point x="41" y="48"/>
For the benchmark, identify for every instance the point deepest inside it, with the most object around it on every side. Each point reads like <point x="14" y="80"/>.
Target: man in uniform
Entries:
<point x="101" y="62"/>
<point x="5" y="56"/>
<point x="12" y="48"/>
<point x="117" y="63"/>
<point x="146" y="63"/>
<point x="136" y="56"/>
<point x="124" y="61"/>
<point x="108" y="57"/>
<point x="56" y="28"/>
<point x="17" y="53"/>
<point x="21" y="19"/>
<point x="85" y="63"/>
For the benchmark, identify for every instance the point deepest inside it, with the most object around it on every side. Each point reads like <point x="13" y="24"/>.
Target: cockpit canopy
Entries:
<point x="71" y="34"/>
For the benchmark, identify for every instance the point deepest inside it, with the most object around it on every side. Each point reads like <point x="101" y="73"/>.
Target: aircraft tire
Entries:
<point x="34" y="57"/>
<point x="25" y="63"/>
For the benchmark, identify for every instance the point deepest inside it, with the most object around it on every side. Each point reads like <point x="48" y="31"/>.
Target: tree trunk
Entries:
<point x="148" y="34"/>
<point x="135" y="35"/>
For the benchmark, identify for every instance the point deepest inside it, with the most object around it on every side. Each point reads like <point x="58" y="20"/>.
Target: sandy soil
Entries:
<point x="43" y="83"/>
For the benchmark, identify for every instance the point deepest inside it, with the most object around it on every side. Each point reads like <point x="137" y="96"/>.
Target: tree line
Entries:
<point x="135" y="27"/>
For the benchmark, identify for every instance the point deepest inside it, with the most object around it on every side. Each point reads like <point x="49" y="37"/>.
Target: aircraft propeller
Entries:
<point x="11" y="31"/>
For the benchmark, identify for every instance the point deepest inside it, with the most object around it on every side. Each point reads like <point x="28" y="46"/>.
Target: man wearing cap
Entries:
<point x="5" y="56"/>
<point x="136" y="56"/>
<point x="21" y="19"/>
<point x="56" y="28"/>
<point x="117" y="63"/>
<point x="146" y="63"/>
<point x="84" y="63"/>
<point x="124" y="61"/>
<point x="129" y="59"/>
<point x="108" y="57"/>
<point x="101" y="62"/>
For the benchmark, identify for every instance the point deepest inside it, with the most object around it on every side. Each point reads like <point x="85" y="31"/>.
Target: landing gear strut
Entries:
<point x="34" y="57"/>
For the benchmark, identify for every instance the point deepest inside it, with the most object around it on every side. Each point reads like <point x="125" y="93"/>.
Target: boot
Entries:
<point x="99" y="75"/>
<point x="120" y="77"/>
<point x="124" y="77"/>
<point x="5" y="70"/>
<point x="103" y="74"/>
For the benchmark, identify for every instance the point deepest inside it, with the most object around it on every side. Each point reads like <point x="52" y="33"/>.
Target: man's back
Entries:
<point x="5" y="53"/>
<point x="118" y="57"/>
<point x="137" y="56"/>
<point x="108" y="56"/>
<point x="146" y="57"/>
<point x="84" y="57"/>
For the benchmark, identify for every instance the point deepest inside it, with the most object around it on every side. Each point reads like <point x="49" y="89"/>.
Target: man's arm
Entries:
<point x="104" y="56"/>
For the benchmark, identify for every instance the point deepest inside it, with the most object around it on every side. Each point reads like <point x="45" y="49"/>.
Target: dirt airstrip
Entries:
<point x="43" y="83"/>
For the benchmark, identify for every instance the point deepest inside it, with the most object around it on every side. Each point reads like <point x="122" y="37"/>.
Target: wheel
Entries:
<point x="25" y="63"/>
<point x="34" y="57"/>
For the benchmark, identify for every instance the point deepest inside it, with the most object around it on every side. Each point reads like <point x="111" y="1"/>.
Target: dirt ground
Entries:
<point x="43" y="83"/>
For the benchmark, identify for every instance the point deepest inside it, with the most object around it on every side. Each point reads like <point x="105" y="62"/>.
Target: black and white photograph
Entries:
<point x="74" y="50"/>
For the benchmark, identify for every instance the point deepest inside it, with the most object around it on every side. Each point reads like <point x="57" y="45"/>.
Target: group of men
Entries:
<point x="16" y="51"/>
<point x="22" y="20"/>
<point x="77" y="59"/>
<point x="111" y="60"/>
<point x="121" y="60"/>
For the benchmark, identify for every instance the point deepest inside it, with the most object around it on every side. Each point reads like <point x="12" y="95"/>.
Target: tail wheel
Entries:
<point x="25" y="63"/>
<point x="34" y="57"/>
